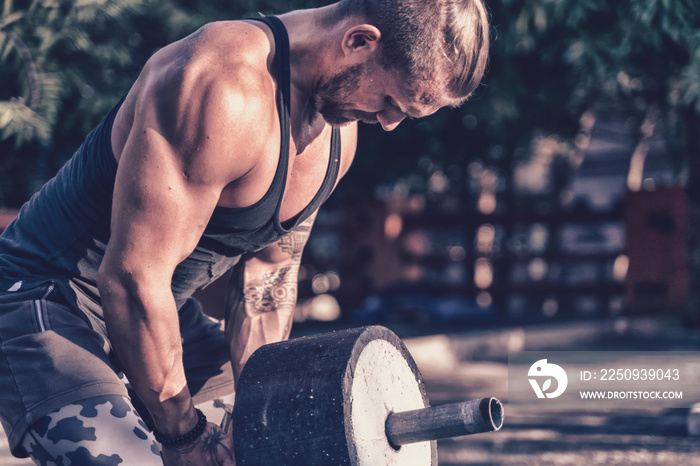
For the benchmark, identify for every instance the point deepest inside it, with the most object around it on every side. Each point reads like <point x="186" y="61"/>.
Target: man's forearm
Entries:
<point x="145" y="335"/>
<point x="262" y="296"/>
<point x="261" y="310"/>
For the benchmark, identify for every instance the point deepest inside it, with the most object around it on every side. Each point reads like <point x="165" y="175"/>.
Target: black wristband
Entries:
<point x="184" y="439"/>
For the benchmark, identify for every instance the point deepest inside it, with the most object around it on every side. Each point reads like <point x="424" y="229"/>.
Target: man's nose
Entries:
<point x="390" y="118"/>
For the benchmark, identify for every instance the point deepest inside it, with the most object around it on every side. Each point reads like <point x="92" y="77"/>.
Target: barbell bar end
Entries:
<point x="449" y="420"/>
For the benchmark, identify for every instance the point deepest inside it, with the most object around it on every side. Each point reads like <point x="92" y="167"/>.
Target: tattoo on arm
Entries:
<point x="276" y="290"/>
<point x="209" y="443"/>
<point x="212" y="439"/>
<point x="293" y="243"/>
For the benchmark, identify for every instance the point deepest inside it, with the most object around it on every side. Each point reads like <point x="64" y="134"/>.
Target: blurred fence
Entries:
<point x="421" y="266"/>
<point x="377" y="263"/>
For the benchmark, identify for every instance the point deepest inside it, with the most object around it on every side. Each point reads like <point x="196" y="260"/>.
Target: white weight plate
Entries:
<point x="383" y="383"/>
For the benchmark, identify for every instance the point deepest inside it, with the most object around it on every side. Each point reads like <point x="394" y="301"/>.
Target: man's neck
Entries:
<point x="310" y="57"/>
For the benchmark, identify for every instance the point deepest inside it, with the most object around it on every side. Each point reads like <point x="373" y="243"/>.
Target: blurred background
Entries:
<point x="563" y="190"/>
<point x="562" y="201"/>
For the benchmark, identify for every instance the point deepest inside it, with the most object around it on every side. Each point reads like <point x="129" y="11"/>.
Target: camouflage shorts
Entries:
<point x="104" y="431"/>
<point x="51" y="357"/>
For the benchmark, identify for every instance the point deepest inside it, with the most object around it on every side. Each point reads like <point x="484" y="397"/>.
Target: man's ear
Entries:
<point x="361" y="41"/>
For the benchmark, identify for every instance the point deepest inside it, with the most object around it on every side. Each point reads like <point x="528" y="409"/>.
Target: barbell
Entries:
<point x="352" y="397"/>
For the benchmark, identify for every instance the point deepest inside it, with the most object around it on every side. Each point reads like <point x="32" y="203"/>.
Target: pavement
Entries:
<point x="459" y="364"/>
<point x="473" y="365"/>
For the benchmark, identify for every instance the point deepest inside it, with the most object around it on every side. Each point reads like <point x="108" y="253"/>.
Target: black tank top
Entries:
<point x="61" y="234"/>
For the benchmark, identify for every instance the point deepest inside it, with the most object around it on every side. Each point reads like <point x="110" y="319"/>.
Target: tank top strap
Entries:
<point x="324" y="191"/>
<point x="266" y="210"/>
<point x="281" y="37"/>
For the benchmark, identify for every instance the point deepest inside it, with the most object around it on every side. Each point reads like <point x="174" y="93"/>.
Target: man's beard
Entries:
<point x="333" y="98"/>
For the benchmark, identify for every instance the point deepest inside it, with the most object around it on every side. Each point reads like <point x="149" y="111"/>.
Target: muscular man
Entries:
<point x="218" y="157"/>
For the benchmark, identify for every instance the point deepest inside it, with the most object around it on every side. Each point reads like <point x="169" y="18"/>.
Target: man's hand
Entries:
<point x="214" y="447"/>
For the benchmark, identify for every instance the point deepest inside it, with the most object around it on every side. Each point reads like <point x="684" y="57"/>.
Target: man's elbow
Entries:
<point x="111" y="283"/>
<point x="116" y="280"/>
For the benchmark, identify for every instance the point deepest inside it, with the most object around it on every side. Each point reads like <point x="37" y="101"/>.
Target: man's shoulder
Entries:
<point x="233" y="41"/>
<point x="233" y="55"/>
<point x="210" y="97"/>
<point x="220" y="72"/>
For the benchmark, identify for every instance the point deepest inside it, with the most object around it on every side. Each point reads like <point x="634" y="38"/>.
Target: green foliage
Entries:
<point x="20" y="121"/>
<point x="50" y="54"/>
<point x="64" y="64"/>
<point x="550" y="61"/>
<point x="689" y="82"/>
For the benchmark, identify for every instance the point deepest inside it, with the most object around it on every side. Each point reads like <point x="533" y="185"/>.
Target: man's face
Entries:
<point x="369" y="94"/>
<point x="334" y="97"/>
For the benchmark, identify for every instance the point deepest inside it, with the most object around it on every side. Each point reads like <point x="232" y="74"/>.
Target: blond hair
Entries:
<point x="422" y="36"/>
